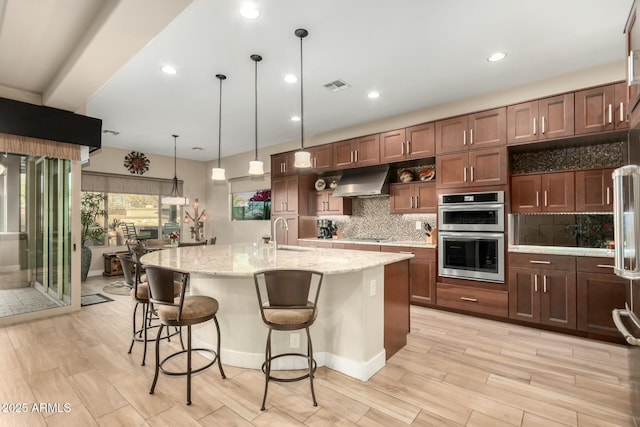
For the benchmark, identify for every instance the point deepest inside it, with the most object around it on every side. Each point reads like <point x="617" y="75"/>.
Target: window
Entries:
<point x="251" y="205"/>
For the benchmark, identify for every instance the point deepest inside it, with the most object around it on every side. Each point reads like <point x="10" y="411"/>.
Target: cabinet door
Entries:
<point x="452" y="170"/>
<point x="525" y="193"/>
<point x="337" y="205"/>
<point x="284" y="236"/>
<point x="291" y="204"/>
<point x="423" y="280"/>
<point x="451" y="135"/>
<point x="319" y="203"/>
<point x="620" y="111"/>
<point x="401" y="198"/>
<point x="343" y="154"/>
<point x="367" y="150"/>
<point x="598" y="295"/>
<point x="488" y="167"/>
<point x="488" y="128"/>
<point x="558" y="192"/>
<point x="522" y="122"/>
<point x="278" y="162"/>
<point x="321" y="157"/>
<point x="279" y="195"/>
<point x="524" y="299"/>
<point x="594" y="110"/>
<point x="594" y="191"/>
<point x="426" y="199"/>
<point x="556" y="116"/>
<point x="421" y="141"/>
<point x="393" y="146"/>
<point x="558" y="298"/>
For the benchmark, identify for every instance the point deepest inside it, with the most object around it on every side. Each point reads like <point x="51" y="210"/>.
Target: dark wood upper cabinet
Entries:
<point x="551" y="192"/>
<point x="415" y="142"/>
<point x="363" y="151"/>
<point x="282" y="164"/>
<point x="325" y="204"/>
<point x="472" y="169"/>
<point x="601" y="109"/>
<point x="321" y="158"/>
<point x="415" y="197"/>
<point x="477" y="130"/>
<point x="594" y="190"/>
<point x="542" y="119"/>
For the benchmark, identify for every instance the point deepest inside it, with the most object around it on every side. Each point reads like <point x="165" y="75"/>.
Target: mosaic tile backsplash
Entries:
<point x="606" y="155"/>
<point x="371" y="219"/>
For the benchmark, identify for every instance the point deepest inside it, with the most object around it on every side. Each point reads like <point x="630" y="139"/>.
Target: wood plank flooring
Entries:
<point x="455" y="371"/>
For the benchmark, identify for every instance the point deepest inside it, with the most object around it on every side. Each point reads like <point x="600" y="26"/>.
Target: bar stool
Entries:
<point x="288" y="307"/>
<point x="131" y="269"/>
<point x="188" y="311"/>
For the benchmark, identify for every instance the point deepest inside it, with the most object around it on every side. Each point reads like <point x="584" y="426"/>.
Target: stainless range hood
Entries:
<point x="369" y="182"/>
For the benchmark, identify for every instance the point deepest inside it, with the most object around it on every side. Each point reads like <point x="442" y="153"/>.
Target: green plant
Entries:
<point x="91" y="208"/>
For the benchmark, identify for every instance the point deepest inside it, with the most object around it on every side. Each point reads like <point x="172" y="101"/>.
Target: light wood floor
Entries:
<point x="456" y="370"/>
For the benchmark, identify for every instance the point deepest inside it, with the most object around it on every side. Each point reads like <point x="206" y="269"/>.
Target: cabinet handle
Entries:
<point x="472" y="174"/>
<point x="537" y="198"/>
<point x="402" y="148"/>
<point x="535" y="283"/>
<point x="406" y="252"/>
<point x="608" y="195"/>
<point x="464" y="175"/>
<point x="408" y="147"/>
<point x="411" y="202"/>
<point x="610" y="113"/>
<point x="464" y="137"/>
<point x="315" y="162"/>
<point x="469" y="299"/>
<point x="543" y="125"/>
<point x="471" y="137"/>
<point x="351" y="157"/>
<point x="539" y="262"/>
<point x="356" y="156"/>
<point x="544" y="283"/>
<point x="535" y="126"/>
<point x="417" y="202"/>
<point x="605" y="266"/>
<point x="621" y="112"/>
<point x="545" y="198"/>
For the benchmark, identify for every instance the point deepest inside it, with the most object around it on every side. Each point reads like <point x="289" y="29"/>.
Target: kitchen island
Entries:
<point x="363" y="308"/>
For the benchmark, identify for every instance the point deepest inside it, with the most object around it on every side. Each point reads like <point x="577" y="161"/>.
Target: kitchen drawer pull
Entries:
<point x="464" y="137"/>
<point x="535" y="283"/>
<point x="610" y="113"/>
<point x="406" y="252"/>
<point x="617" y="319"/>
<point x="537" y="198"/>
<point x="535" y="126"/>
<point x="539" y="262"/>
<point x="469" y="299"/>
<point x="471" y="137"/>
<point x="606" y="266"/>
<point x="608" y="195"/>
<point x="544" y="283"/>
<point x="621" y="112"/>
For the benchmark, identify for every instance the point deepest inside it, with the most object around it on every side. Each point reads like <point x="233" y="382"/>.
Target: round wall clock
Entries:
<point x="136" y="162"/>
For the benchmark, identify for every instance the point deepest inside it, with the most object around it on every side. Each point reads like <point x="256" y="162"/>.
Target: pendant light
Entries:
<point x="256" y="167"/>
<point x="174" y="198"/>
<point x="217" y="173"/>
<point x="302" y="157"/>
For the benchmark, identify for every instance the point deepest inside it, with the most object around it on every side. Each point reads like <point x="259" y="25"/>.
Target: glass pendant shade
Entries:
<point x="302" y="159"/>
<point x="174" y="198"/>
<point x="256" y="167"/>
<point x="218" y="174"/>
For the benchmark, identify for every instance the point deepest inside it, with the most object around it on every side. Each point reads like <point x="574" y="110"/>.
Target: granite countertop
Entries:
<point x="245" y="259"/>
<point x="409" y="243"/>
<point x="562" y="250"/>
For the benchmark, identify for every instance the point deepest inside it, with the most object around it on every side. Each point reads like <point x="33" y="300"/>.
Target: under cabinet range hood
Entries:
<point x="369" y="182"/>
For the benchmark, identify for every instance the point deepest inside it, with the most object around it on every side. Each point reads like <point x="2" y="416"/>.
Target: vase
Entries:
<point x="173" y="242"/>
<point x="85" y="262"/>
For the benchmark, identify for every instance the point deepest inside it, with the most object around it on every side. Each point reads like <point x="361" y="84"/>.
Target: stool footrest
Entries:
<point x="193" y="371"/>
<point x="137" y="336"/>
<point x="289" y="380"/>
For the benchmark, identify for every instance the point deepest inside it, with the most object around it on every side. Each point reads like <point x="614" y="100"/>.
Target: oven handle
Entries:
<point x="472" y="207"/>
<point x="617" y="319"/>
<point x="470" y="235"/>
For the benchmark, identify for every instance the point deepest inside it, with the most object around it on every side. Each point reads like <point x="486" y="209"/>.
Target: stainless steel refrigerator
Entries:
<point x="626" y="218"/>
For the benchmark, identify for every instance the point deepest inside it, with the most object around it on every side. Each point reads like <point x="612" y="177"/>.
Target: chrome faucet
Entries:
<point x="286" y="225"/>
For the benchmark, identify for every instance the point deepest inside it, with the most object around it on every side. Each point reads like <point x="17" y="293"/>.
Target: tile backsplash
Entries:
<point x="371" y="219"/>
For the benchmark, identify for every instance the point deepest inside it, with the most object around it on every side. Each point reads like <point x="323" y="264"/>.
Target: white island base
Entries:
<point x="347" y="335"/>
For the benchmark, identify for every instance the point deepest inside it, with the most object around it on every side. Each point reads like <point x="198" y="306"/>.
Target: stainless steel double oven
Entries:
<point x="471" y="236"/>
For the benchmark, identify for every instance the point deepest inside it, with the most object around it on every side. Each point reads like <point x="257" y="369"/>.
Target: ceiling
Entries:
<point x="106" y="56"/>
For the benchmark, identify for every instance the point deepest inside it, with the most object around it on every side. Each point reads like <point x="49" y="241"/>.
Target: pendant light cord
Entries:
<point x="301" y="99"/>
<point x="220" y="123"/>
<point x="256" y="104"/>
<point x="175" y="155"/>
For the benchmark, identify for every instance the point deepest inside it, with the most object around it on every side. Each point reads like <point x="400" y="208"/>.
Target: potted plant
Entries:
<point x="91" y="208"/>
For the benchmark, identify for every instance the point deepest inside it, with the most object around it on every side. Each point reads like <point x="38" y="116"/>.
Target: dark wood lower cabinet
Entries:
<point x="422" y="275"/>
<point x="469" y="298"/>
<point x="598" y="295"/>
<point x="396" y="306"/>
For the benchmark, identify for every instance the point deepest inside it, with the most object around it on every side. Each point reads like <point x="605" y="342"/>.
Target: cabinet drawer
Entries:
<point x="550" y="262"/>
<point x="495" y="303"/>
<point x="418" y="252"/>
<point x="595" y="265"/>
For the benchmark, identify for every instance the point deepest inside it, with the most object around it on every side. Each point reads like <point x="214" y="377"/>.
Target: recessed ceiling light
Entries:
<point x="249" y="12"/>
<point x="373" y="95"/>
<point x="169" y="69"/>
<point x="498" y="56"/>
<point x="295" y="118"/>
<point x="197" y="148"/>
<point x="290" y="78"/>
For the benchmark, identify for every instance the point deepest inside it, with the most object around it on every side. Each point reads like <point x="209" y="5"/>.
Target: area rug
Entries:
<point x="117" y="288"/>
<point x="92" y="299"/>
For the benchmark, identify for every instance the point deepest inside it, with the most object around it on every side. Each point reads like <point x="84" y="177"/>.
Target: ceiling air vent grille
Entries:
<point x="337" y="85"/>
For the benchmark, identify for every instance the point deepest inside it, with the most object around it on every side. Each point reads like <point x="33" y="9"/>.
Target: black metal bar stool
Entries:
<point x="188" y="311"/>
<point x="288" y="302"/>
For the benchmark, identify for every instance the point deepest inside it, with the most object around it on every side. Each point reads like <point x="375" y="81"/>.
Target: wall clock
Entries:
<point x="136" y="162"/>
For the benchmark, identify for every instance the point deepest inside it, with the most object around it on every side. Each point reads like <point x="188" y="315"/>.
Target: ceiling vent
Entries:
<point x="337" y="85"/>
